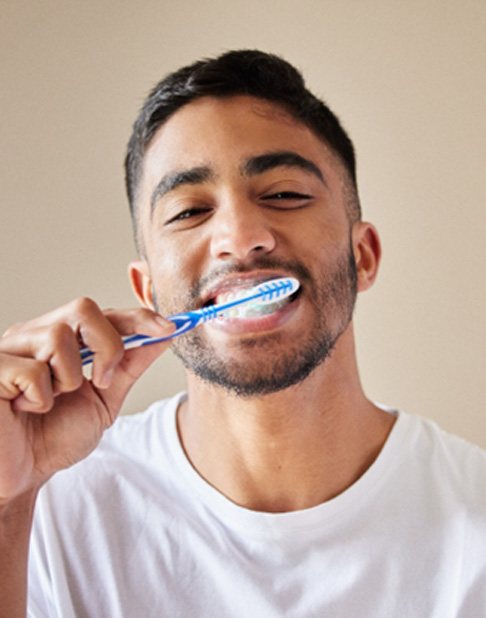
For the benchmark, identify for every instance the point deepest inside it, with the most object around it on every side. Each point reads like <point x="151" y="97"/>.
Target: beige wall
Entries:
<point x="408" y="80"/>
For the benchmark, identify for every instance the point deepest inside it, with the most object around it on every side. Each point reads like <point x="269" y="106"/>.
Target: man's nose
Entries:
<point x="240" y="230"/>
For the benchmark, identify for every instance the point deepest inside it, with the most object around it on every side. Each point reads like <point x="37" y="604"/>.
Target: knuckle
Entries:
<point x="38" y="370"/>
<point x="84" y="306"/>
<point x="145" y="313"/>
<point x="60" y="334"/>
<point x="142" y="315"/>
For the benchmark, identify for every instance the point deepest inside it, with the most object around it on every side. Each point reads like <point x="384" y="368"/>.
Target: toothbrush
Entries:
<point x="265" y="293"/>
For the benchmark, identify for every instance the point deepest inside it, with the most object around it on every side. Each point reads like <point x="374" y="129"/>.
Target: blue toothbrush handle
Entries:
<point x="184" y="322"/>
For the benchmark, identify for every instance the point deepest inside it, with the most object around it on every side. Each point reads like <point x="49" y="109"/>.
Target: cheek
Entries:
<point x="175" y="270"/>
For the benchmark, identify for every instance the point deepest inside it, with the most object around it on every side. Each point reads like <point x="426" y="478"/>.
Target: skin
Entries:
<point x="51" y="416"/>
<point x="286" y="450"/>
<point x="300" y="446"/>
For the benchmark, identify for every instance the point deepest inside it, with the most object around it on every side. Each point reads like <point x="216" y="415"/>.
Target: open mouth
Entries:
<point x="252" y="309"/>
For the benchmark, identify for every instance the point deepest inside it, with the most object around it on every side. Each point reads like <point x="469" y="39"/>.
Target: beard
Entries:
<point x="268" y="363"/>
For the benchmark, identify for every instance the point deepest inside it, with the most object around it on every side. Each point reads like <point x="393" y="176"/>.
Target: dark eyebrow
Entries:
<point x="171" y="181"/>
<point x="283" y="158"/>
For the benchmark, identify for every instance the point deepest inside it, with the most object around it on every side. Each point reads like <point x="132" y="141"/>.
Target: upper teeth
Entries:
<point x="246" y="310"/>
<point x="228" y="297"/>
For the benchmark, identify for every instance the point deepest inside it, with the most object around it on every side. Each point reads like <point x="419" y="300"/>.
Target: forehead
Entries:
<point x="221" y="133"/>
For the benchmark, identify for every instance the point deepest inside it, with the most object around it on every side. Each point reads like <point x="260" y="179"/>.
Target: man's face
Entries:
<point x="235" y="191"/>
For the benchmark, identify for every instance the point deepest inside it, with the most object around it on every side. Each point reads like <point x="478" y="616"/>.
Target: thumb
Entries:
<point x="134" y="363"/>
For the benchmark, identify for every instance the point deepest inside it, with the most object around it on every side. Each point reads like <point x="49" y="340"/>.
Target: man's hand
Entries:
<point x="51" y="416"/>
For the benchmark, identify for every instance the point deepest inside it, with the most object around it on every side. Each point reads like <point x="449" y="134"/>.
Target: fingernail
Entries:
<point x="163" y="322"/>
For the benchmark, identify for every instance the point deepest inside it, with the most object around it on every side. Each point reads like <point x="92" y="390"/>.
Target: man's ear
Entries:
<point x="367" y="253"/>
<point x="141" y="282"/>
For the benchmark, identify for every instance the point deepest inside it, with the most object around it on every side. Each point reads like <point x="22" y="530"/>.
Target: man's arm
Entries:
<point x="15" y="526"/>
<point x="52" y="416"/>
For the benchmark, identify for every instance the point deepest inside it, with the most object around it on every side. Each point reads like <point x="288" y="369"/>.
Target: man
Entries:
<point x="274" y="487"/>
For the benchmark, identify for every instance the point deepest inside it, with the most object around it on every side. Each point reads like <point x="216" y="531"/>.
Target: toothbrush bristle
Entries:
<point x="277" y="289"/>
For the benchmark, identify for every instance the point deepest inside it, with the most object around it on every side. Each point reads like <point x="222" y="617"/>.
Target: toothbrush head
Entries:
<point x="276" y="289"/>
<point x="266" y="293"/>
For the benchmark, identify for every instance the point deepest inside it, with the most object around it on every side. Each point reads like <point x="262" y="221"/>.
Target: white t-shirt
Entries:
<point x="134" y="531"/>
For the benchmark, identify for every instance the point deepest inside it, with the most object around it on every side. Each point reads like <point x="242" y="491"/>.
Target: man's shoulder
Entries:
<point x="449" y="459"/>
<point x="447" y="445"/>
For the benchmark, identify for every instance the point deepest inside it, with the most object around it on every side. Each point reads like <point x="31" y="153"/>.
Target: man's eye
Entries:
<point x="187" y="214"/>
<point x="287" y="196"/>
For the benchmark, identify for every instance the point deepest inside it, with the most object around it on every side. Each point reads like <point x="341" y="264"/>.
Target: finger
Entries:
<point x="65" y="362"/>
<point x="89" y="325"/>
<point x="139" y="320"/>
<point x="57" y="346"/>
<point x="102" y="338"/>
<point x="135" y="362"/>
<point x="142" y="321"/>
<point x="26" y="383"/>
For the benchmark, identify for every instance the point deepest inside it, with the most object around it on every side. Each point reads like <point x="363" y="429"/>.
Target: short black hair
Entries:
<point x="241" y="72"/>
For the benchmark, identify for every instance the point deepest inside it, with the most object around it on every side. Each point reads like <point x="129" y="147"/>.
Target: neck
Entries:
<point x="289" y="450"/>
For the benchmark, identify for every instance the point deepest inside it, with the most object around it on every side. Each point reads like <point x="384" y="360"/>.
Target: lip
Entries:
<point x="239" y="281"/>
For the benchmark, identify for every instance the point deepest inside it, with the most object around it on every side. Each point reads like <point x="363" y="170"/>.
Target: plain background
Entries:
<point x="408" y="81"/>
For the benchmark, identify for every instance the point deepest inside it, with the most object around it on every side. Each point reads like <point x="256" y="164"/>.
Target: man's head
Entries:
<point x="246" y="72"/>
<point x="237" y="188"/>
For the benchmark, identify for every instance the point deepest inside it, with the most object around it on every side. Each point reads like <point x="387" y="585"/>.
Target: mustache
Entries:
<point x="290" y="267"/>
